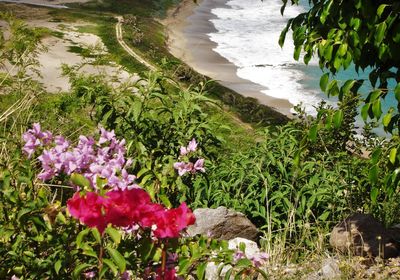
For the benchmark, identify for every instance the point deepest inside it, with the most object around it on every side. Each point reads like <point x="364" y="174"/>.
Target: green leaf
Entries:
<point x="201" y="271"/>
<point x="96" y="235"/>
<point x="80" y="180"/>
<point x="393" y="155"/>
<point x="377" y="109"/>
<point x="337" y="62"/>
<point x="312" y="134"/>
<point x="386" y="119"/>
<point x="364" y="111"/>
<point x="382" y="51"/>
<point x="323" y="82"/>
<point x="297" y="52"/>
<point x="380" y="9"/>
<point x="325" y="12"/>
<point x="338" y="118"/>
<point x="114" y="234"/>
<point x="374" y="194"/>
<point x="376" y="155"/>
<point x="373" y="174"/>
<point x="165" y="200"/>
<point x="328" y="52"/>
<point x="57" y="266"/>
<point x="77" y="271"/>
<point x="183" y="266"/>
<point x="282" y="37"/>
<point x="243" y="263"/>
<point x="80" y="237"/>
<point x="117" y="258"/>
<point x="397" y="92"/>
<point x="348" y="85"/>
<point x="342" y="49"/>
<point x="228" y="274"/>
<point x="380" y="33"/>
<point x="355" y="23"/>
<point x="111" y="265"/>
<point x="324" y="216"/>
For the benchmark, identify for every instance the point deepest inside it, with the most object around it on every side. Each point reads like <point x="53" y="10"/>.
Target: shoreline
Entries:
<point x="187" y="27"/>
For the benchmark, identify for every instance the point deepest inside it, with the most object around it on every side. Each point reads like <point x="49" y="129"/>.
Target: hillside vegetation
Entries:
<point x="192" y="143"/>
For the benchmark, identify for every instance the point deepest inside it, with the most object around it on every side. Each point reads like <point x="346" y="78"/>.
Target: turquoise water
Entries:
<point x="247" y="33"/>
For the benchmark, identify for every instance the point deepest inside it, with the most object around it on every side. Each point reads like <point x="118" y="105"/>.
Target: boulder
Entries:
<point x="252" y="250"/>
<point x="222" y="223"/>
<point x="329" y="270"/>
<point x="363" y="235"/>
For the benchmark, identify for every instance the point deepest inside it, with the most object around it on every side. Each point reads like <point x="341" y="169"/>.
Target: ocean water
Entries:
<point x="247" y="33"/>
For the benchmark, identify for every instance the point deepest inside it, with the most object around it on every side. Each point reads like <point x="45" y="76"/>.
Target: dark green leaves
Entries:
<point x="117" y="258"/>
<point x="323" y="83"/>
<point x="380" y="33"/>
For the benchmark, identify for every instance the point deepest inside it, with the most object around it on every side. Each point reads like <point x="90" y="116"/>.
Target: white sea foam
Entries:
<point x="247" y="35"/>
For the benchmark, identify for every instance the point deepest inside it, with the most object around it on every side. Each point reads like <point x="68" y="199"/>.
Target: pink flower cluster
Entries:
<point x="104" y="158"/>
<point x="257" y="259"/>
<point x="124" y="208"/>
<point x="189" y="166"/>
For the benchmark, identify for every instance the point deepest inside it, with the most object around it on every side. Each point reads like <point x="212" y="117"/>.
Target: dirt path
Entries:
<point x="120" y="39"/>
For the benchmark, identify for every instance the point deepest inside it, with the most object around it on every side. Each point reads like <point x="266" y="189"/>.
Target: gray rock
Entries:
<point x="251" y="250"/>
<point x="329" y="271"/>
<point x="222" y="223"/>
<point x="363" y="235"/>
<point x="251" y="246"/>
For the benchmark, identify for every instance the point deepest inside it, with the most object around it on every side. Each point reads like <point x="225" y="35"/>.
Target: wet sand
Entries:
<point x="188" y="26"/>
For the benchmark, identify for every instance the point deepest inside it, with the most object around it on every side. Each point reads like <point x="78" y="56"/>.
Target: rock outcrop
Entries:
<point x="363" y="235"/>
<point x="222" y="223"/>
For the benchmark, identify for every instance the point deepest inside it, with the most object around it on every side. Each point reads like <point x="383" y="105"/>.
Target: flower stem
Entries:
<point x="100" y="265"/>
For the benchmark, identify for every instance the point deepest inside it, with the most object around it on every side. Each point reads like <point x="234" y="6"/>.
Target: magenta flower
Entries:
<point x="127" y="209"/>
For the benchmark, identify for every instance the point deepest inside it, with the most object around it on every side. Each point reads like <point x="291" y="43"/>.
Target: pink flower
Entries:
<point x="89" y="209"/>
<point x="35" y="138"/>
<point x="192" y="146"/>
<point x="170" y="222"/>
<point x="199" y="166"/>
<point x="126" y="275"/>
<point x="259" y="259"/>
<point x="89" y="274"/>
<point x="167" y="274"/>
<point x="183" y="151"/>
<point x="238" y="255"/>
<point x="106" y="136"/>
<point x="183" y="167"/>
<point x="128" y="207"/>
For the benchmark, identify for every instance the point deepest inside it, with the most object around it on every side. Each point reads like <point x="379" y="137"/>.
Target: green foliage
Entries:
<point x="36" y="238"/>
<point x="363" y="34"/>
<point x="155" y="121"/>
<point x="346" y="33"/>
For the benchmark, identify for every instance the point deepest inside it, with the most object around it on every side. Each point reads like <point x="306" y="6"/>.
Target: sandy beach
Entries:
<point x="58" y="49"/>
<point x="188" y="26"/>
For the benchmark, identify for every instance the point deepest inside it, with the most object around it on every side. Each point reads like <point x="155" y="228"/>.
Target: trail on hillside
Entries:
<point x="120" y="39"/>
